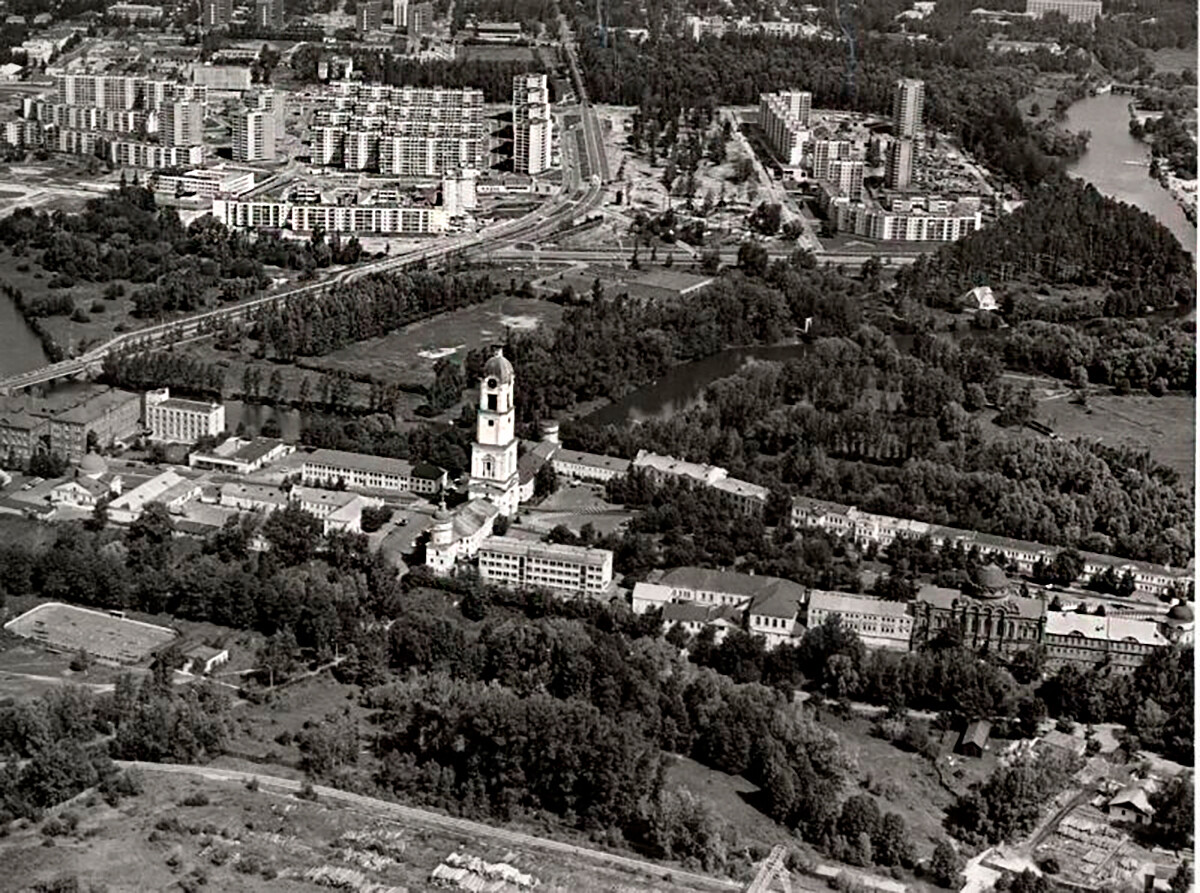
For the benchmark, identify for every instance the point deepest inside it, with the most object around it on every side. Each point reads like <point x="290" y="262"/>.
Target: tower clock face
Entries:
<point x="491" y="382"/>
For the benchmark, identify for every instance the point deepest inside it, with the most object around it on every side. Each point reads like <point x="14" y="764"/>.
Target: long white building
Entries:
<point x="358" y="470"/>
<point x="331" y="218"/>
<point x="571" y="570"/>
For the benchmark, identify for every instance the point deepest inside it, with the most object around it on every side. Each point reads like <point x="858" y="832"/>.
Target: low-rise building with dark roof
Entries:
<point x="589" y="466"/>
<point x="975" y="738"/>
<point x="668" y="284"/>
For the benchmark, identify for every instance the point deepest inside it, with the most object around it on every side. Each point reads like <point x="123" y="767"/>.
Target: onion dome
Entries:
<point x="92" y="465"/>
<point x="498" y="370"/>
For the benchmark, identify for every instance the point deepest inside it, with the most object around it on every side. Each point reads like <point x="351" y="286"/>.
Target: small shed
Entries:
<point x="980" y="298"/>
<point x="200" y="659"/>
<point x="974" y="740"/>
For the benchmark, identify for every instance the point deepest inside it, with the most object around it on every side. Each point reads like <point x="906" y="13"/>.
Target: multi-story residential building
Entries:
<point x="138" y="13"/>
<point x="254" y="135"/>
<point x="878" y="623"/>
<point x="215" y="13"/>
<point x="1074" y="10"/>
<point x="846" y="175"/>
<point x="369" y="16"/>
<point x="152" y="155"/>
<point x="357" y="470"/>
<point x="420" y="19"/>
<point x="571" y="570"/>
<point x="825" y="152"/>
<point x="908" y="107"/>
<point x="784" y="118"/>
<point x="181" y="421"/>
<point x="873" y="221"/>
<point x="899" y="164"/>
<point x="400" y="15"/>
<point x="122" y="92"/>
<point x="181" y="123"/>
<point x="532" y="124"/>
<point x="100" y="418"/>
<point x="269" y="14"/>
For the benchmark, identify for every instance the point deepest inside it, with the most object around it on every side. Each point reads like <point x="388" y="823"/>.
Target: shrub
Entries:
<point x="252" y="784"/>
<point x="307" y="792"/>
<point x="98" y="307"/>
<point x="197" y="799"/>
<point x="80" y="315"/>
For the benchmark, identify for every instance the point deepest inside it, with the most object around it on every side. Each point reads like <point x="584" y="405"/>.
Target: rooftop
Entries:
<point x="779" y="601"/>
<point x="840" y="602"/>
<point x="359" y="462"/>
<point x="183" y="405"/>
<point x="702" y="579"/>
<point x="1109" y="629"/>
<point x="672" y="280"/>
<point x="335" y="498"/>
<point x="256" y="492"/>
<point x="508" y="545"/>
<point x="593" y="460"/>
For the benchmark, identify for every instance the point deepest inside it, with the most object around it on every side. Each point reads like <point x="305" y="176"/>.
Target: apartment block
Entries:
<point x="846" y="175"/>
<point x="825" y="152"/>
<point x="532" y="124"/>
<point x="181" y="123"/>
<point x="785" y="118"/>
<point x="215" y="13"/>
<point x="369" y="16"/>
<point x="254" y="135"/>
<point x="899" y="164"/>
<point x="570" y="570"/>
<point x="908" y="107"/>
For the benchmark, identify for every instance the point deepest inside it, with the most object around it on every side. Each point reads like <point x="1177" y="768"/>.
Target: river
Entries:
<point x="1118" y="165"/>
<point x="20" y="349"/>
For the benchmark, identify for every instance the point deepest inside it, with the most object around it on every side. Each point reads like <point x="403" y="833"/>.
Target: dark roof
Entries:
<point x="672" y="281"/>
<point x="427" y="471"/>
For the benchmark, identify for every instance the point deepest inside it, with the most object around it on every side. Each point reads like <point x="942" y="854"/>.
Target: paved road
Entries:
<point x="395" y="811"/>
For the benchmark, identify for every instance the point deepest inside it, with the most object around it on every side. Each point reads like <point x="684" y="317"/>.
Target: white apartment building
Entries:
<point x="532" y="124"/>
<point x="785" y="118"/>
<point x="908" y="107"/>
<point x="332" y="218"/>
<point x="181" y="123"/>
<point x="572" y="570"/>
<point x="181" y="421"/>
<point x="253" y="135"/>
<point x="846" y="175"/>
<point x="872" y="221"/>
<point x="1074" y="10"/>
<point x="879" y="623"/>
<point x="357" y="470"/>
<point x="825" y="152"/>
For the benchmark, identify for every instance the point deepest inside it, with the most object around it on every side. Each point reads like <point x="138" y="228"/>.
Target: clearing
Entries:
<point x="242" y="840"/>
<point x="407" y="355"/>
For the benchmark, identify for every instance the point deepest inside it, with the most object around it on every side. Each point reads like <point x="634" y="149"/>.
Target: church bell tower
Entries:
<point x="494" y="454"/>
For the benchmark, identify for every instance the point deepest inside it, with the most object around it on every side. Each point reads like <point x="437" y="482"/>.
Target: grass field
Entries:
<point x="27" y="671"/>
<point x="68" y="628"/>
<point x="407" y="356"/>
<point x="1172" y="59"/>
<point x="1165" y="425"/>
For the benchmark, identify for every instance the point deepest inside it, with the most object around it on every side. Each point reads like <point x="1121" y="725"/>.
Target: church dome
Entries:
<point x="442" y="514"/>
<point x="92" y="465"/>
<point x="499" y="369"/>
<point x="1181" y="613"/>
<point x="991" y="580"/>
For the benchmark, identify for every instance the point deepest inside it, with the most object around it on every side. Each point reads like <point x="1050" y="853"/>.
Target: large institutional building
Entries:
<point x="181" y="421"/>
<point x="568" y="569"/>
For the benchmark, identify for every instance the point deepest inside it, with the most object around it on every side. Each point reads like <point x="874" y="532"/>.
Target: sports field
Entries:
<point x="68" y="628"/>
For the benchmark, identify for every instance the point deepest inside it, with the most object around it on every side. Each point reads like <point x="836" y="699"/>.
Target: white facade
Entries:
<point x="331" y="218"/>
<point x="181" y="421"/>
<point x="254" y="135"/>
<point x="847" y="176"/>
<point x="181" y="123"/>
<point x="908" y="107"/>
<point x="785" y="118"/>
<point x="574" y="570"/>
<point x="532" y="124"/>
<point x="879" y="623"/>
<point x="357" y="470"/>
<point x="494" y="454"/>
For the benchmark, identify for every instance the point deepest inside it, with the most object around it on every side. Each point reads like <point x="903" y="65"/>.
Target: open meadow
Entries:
<point x="407" y="356"/>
